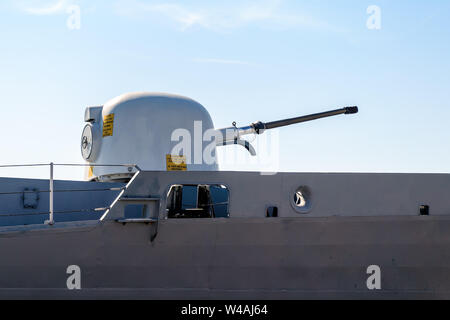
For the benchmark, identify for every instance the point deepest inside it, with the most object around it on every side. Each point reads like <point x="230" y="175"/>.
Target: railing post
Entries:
<point x="51" y="220"/>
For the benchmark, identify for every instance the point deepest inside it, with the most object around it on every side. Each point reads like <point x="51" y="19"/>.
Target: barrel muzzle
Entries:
<point x="351" y="110"/>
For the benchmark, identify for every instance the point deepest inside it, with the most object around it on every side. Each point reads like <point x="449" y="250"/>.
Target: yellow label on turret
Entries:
<point x="176" y="163"/>
<point x="90" y="172"/>
<point x="108" y="125"/>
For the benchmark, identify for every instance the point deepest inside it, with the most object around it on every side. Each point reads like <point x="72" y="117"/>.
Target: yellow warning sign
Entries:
<point x="176" y="163"/>
<point x="91" y="172"/>
<point x="108" y="125"/>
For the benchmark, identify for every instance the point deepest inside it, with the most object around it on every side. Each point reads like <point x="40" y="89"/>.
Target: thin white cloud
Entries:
<point x="42" y="8"/>
<point x="223" y="17"/>
<point x="178" y="13"/>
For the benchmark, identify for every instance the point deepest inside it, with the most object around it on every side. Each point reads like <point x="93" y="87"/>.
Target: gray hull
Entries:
<point x="242" y="258"/>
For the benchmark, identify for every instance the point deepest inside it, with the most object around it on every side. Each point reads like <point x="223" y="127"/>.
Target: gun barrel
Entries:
<point x="232" y="135"/>
<point x="287" y="122"/>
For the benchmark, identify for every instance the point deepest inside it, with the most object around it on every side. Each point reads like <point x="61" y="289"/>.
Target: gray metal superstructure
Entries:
<point x="354" y="221"/>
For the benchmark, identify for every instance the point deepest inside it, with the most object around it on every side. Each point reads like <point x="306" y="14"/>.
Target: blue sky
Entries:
<point x="244" y="61"/>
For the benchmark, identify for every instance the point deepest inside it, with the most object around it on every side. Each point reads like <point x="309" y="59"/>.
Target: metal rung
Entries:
<point x="138" y="220"/>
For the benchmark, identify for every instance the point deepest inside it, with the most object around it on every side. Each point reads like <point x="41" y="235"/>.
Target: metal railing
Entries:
<point x="52" y="191"/>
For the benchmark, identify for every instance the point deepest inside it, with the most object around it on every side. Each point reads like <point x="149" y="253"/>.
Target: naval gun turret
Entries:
<point x="232" y="135"/>
<point x="162" y="132"/>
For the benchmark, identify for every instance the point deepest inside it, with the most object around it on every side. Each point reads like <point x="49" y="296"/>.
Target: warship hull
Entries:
<point x="347" y="236"/>
<point x="248" y="258"/>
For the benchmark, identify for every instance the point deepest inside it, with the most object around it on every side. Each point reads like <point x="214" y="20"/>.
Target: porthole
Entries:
<point x="301" y="199"/>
